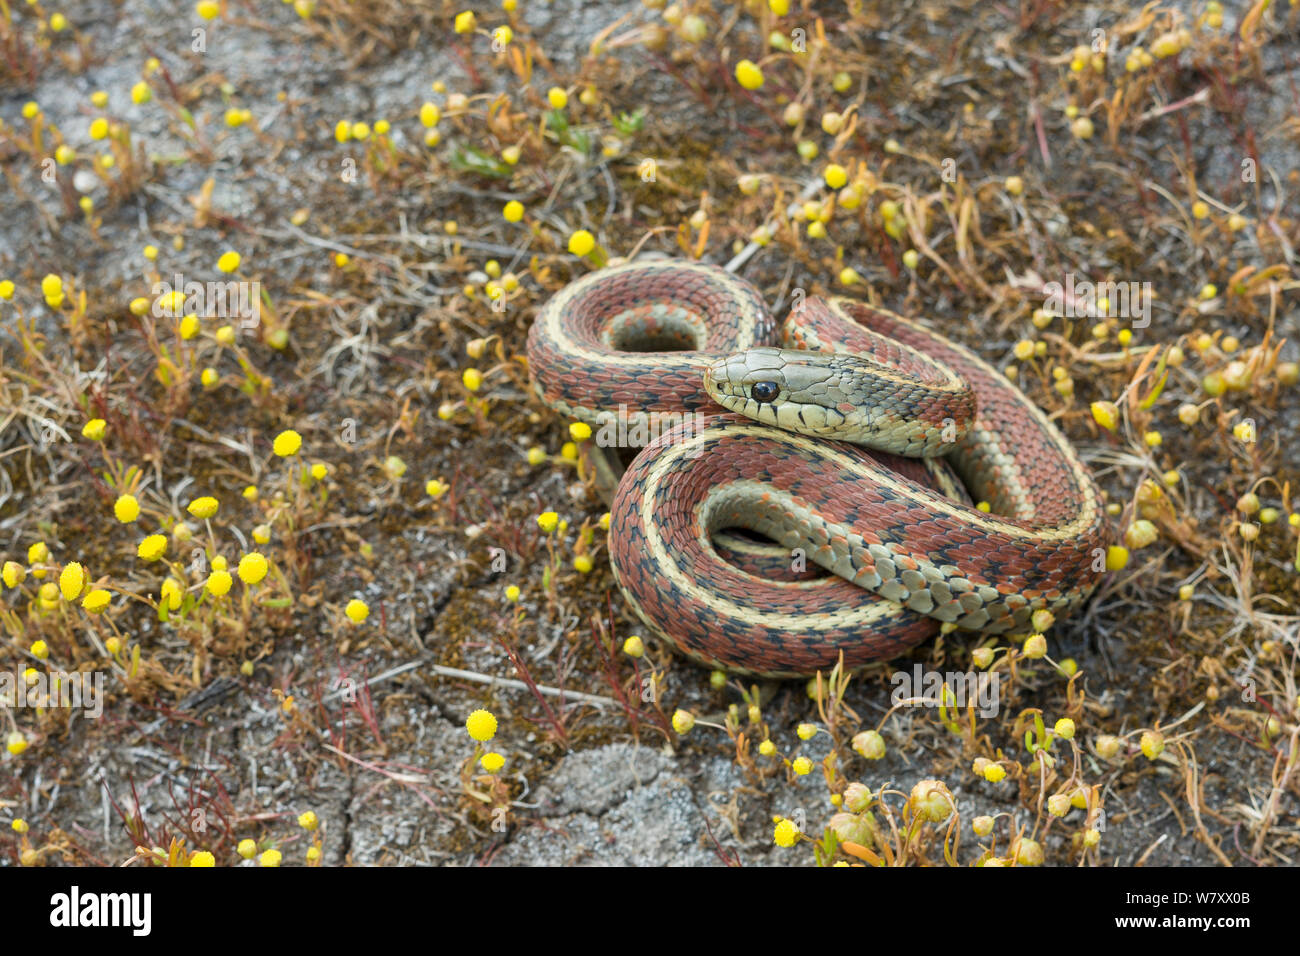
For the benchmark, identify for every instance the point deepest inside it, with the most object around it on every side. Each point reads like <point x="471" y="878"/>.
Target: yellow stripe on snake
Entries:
<point x="772" y="443"/>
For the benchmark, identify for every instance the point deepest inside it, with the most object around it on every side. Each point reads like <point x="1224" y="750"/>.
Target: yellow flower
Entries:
<point x="19" y="826"/>
<point x="171" y="304"/>
<point x="98" y="128"/>
<point x="342" y="131"/>
<point x="582" y="563"/>
<point x="869" y="745"/>
<point x="52" y="287"/>
<point x="472" y="378"/>
<point x="357" y="610"/>
<point x="582" y="242"/>
<point x="208" y="9"/>
<point x="262" y="534"/>
<point x="547" y="521"/>
<point x="250" y="493"/>
<point x="1116" y="557"/>
<point x="204" y="507"/>
<point x="140" y="93"/>
<point x="836" y="176"/>
<point x="360" y="131"/>
<point x="1138" y="535"/>
<point x="247" y="849"/>
<point x="58" y="23"/>
<point x="502" y="36"/>
<point x="203" y="857"/>
<point x="252" y="568"/>
<point x="481" y="725"/>
<point x="126" y="508"/>
<point x="229" y="261"/>
<point x="995" y="773"/>
<point x="1153" y="743"/>
<point x="749" y="75"/>
<point x="171" y="594"/>
<point x="802" y="766"/>
<point x="536" y="456"/>
<point x="1105" y="414"/>
<point x="683" y="721"/>
<point x="40" y="650"/>
<point x="1169" y="44"/>
<point x="13" y="574"/>
<point x="38" y="553"/>
<point x="153" y="547"/>
<point x="513" y="211"/>
<point x="492" y="762"/>
<point x="634" y="646"/>
<point x="557" y="98"/>
<point x="15" y="743"/>
<point x="6" y="289"/>
<point x="287" y="443"/>
<point x="466" y="22"/>
<point x="309" y="820"/>
<point x="436" y="488"/>
<point x="767" y="748"/>
<point x="1028" y="852"/>
<point x="1064" y="728"/>
<point x="394" y="467"/>
<point x="580" y="431"/>
<point x="786" y="833"/>
<point x="218" y="583"/>
<point x="430" y="115"/>
<point x="270" y="858"/>
<point x="96" y="601"/>
<point x="72" y="581"/>
<point x="512" y="593"/>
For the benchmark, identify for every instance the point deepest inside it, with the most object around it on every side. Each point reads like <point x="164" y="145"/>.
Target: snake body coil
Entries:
<point x="907" y="550"/>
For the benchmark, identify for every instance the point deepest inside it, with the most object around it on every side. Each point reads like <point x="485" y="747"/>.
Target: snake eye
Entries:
<point x="765" y="391"/>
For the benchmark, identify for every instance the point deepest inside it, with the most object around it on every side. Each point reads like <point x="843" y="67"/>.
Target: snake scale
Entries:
<point x="772" y="435"/>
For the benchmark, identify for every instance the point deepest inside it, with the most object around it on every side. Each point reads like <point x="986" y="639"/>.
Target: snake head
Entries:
<point x="845" y="397"/>
<point x="790" y="389"/>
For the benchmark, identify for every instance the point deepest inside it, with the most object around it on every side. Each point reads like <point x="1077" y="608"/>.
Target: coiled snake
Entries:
<point x="766" y="441"/>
